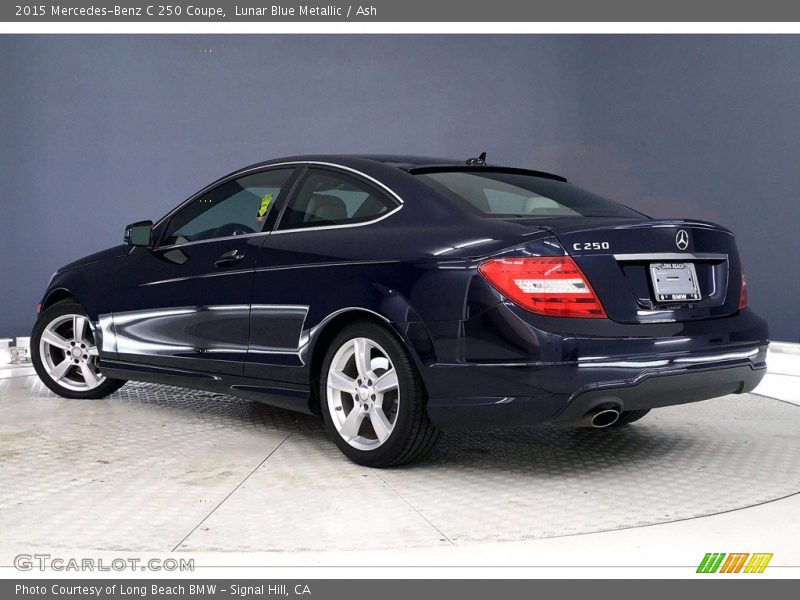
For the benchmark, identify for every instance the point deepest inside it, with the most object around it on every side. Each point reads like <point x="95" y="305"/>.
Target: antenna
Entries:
<point x="475" y="162"/>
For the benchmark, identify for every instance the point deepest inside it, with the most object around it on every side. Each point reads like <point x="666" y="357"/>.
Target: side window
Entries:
<point x="327" y="198"/>
<point x="237" y="207"/>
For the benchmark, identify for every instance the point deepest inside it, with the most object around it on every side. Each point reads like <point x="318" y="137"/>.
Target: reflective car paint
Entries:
<point x="258" y="327"/>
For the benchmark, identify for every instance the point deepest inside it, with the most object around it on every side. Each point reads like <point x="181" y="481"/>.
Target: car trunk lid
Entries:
<point x="655" y="270"/>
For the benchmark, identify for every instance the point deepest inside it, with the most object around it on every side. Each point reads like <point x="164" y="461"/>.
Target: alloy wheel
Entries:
<point x="363" y="393"/>
<point x="69" y="354"/>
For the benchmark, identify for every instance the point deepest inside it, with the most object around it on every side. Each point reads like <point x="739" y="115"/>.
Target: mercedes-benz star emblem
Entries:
<point x="682" y="239"/>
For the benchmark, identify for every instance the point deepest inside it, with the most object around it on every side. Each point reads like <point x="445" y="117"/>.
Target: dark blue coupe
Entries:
<point x="395" y="296"/>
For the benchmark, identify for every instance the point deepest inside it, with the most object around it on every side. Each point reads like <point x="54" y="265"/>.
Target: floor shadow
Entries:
<point x="531" y="450"/>
<point x="547" y="450"/>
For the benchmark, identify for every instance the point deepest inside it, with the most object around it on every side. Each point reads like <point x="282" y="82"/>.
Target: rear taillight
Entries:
<point x="552" y="286"/>
<point x="743" y="288"/>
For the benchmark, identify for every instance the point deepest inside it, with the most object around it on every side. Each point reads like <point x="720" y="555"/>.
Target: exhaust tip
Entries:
<point x="604" y="418"/>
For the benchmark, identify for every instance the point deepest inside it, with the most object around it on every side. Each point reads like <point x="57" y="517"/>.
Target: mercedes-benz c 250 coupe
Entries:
<point x="396" y="296"/>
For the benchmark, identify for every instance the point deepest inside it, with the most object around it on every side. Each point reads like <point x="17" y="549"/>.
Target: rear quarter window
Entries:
<point x="329" y="198"/>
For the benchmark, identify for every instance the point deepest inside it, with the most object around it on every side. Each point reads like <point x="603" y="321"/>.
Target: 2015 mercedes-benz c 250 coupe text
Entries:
<point x="395" y="296"/>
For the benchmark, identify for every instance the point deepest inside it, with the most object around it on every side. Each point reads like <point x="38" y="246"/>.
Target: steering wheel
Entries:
<point x="230" y="229"/>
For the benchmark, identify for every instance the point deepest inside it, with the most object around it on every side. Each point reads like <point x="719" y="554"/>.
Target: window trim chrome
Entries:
<point x="268" y="167"/>
<point x="341" y="226"/>
<point x="218" y="239"/>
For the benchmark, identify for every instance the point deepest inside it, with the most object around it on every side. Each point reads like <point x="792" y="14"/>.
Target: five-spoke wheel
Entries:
<point x="363" y="393"/>
<point x="65" y="354"/>
<point x="69" y="353"/>
<point x="372" y="398"/>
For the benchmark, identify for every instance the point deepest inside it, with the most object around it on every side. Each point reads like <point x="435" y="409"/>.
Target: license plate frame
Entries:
<point x="675" y="282"/>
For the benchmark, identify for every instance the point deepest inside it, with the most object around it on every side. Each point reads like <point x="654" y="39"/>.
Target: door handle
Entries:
<point x="228" y="259"/>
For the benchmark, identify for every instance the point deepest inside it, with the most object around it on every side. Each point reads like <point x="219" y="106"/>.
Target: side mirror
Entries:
<point x="139" y="234"/>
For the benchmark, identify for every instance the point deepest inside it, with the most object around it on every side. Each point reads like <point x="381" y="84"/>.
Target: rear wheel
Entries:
<point x="373" y="400"/>
<point x="65" y="354"/>
<point x="629" y="416"/>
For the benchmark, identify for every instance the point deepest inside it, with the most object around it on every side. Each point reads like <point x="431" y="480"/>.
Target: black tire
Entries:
<point x="413" y="434"/>
<point x="627" y="417"/>
<point x="60" y="309"/>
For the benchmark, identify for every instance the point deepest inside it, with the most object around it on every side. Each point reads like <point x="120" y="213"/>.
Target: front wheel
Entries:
<point x="65" y="355"/>
<point x="373" y="400"/>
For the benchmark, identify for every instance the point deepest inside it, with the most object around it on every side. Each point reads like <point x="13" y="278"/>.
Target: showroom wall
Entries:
<point x="96" y="132"/>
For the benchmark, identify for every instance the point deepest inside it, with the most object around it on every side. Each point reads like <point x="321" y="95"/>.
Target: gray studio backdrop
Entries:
<point x="99" y="131"/>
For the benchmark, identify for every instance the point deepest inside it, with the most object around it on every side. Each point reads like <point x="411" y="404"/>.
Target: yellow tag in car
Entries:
<point x="264" y="205"/>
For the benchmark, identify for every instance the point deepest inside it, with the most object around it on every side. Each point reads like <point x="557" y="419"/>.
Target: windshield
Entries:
<point x="508" y="195"/>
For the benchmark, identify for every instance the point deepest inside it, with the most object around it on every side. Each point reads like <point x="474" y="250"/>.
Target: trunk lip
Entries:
<point x="669" y="256"/>
<point x="676" y="223"/>
<point x="575" y="227"/>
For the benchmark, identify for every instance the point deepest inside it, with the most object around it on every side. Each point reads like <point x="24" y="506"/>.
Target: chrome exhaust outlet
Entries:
<point x="600" y="417"/>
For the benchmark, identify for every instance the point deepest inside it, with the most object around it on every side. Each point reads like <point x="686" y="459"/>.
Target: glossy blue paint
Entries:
<point x="172" y="314"/>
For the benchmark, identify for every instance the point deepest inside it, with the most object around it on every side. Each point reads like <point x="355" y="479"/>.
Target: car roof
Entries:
<point x="407" y="162"/>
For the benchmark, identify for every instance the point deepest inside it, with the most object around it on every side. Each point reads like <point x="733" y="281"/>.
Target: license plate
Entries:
<point x="674" y="282"/>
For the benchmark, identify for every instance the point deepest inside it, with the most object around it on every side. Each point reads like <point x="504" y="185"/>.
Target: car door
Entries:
<point x="292" y="287"/>
<point x="185" y="302"/>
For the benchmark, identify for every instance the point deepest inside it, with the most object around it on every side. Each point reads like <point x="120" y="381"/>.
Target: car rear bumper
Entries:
<point x="523" y="395"/>
<point x="481" y="395"/>
<point x="508" y="367"/>
<point x="664" y="389"/>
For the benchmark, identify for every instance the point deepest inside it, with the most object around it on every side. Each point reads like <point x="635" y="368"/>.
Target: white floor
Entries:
<point x="155" y="471"/>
